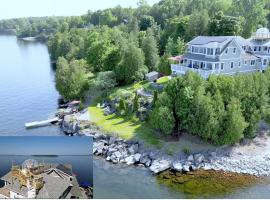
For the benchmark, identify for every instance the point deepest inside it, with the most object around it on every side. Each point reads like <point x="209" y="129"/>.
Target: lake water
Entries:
<point x="27" y="93"/>
<point x="27" y="88"/>
<point x="121" y="181"/>
<point x="81" y="165"/>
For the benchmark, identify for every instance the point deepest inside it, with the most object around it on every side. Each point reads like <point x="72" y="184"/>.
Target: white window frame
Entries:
<point x="252" y="62"/>
<point x="226" y="51"/>
<point x="234" y="50"/>
<point x="239" y="64"/>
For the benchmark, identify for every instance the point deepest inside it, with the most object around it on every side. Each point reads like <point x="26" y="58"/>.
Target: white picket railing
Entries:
<point x="181" y="69"/>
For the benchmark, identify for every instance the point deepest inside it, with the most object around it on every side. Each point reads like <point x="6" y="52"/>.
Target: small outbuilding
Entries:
<point x="151" y="76"/>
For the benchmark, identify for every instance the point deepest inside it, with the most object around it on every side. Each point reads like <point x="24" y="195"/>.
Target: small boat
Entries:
<point x="41" y="123"/>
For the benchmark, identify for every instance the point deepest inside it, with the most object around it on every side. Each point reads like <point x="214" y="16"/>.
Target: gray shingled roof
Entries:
<point x="16" y="187"/>
<point x="260" y="42"/>
<point x="6" y="177"/>
<point x="203" y="40"/>
<point x="53" y="187"/>
<point x="248" y="56"/>
<point x="75" y="190"/>
<point x="64" y="169"/>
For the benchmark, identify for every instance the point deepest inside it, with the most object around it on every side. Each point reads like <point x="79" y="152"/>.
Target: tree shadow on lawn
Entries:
<point x="137" y="130"/>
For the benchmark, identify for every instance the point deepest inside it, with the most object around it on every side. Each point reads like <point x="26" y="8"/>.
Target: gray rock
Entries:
<point x="213" y="155"/>
<point x="193" y="167"/>
<point x="198" y="158"/>
<point x="190" y="158"/>
<point x="137" y="157"/>
<point x="177" y="166"/>
<point x="130" y="160"/>
<point x="112" y="140"/>
<point x="117" y="154"/>
<point x="111" y="150"/>
<point x="69" y="125"/>
<point x="133" y="149"/>
<point x="145" y="160"/>
<point x="160" y="165"/>
<point x="185" y="168"/>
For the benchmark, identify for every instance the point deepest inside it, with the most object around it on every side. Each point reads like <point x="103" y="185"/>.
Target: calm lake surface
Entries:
<point x="27" y="93"/>
<point x="81" y="165"/>
<point x="27" y="88"/>
<point x="121" y="181"/>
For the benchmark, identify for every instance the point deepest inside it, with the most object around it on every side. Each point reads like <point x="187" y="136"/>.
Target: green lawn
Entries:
<point x="126" y="128"/>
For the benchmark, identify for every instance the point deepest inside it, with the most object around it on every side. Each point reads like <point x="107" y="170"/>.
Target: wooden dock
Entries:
<point x="41" y="123"/>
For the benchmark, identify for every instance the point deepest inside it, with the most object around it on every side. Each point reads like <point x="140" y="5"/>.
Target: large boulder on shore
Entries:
<point x="158" y="166"/>
<point x="177" y="166"/>
<point x="70" y="125"/>
<point x="145" y="160"/>
<point x="130" y="160"/>
<point x="198" y="158"/>
<point x="133" y="149"/>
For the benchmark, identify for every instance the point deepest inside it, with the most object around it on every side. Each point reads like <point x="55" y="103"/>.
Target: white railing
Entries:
<point x="182" y="69"/>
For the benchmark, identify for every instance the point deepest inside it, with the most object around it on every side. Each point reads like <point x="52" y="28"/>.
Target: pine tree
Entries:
<point x="135" y="103"/>
<point x="155" y="98"/>
<point x="150" y="49"/>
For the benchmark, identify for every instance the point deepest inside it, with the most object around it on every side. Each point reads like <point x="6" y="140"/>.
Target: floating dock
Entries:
<point x="41" y="123"/>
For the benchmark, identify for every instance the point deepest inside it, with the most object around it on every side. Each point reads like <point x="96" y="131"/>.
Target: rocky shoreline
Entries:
<point x="117" y="150"/>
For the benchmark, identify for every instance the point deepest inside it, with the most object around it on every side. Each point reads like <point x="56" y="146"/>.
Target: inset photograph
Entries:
<point x="46" y="167"/>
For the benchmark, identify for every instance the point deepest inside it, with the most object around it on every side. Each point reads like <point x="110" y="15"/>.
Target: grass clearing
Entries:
<point x="163" y="80"/>
<point x="125" y="127"/>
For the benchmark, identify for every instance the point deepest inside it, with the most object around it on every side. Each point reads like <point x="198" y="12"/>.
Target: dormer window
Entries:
<point x="234" y="50"/>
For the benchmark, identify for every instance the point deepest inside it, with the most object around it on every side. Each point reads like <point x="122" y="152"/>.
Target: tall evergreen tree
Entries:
<point x="150" y="49"/>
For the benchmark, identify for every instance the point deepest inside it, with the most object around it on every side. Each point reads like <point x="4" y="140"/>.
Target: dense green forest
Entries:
<point x="118" y="46"/>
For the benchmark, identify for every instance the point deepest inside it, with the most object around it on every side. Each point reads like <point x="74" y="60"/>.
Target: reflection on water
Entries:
<point x="27" y="87"/>
<point x="81" y="165"/>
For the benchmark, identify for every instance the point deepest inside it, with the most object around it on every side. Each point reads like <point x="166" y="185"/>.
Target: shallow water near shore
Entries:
<point x="121" y="181"/>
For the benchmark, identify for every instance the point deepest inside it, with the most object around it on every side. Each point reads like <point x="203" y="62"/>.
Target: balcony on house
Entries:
<point x="182" y="66"/>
